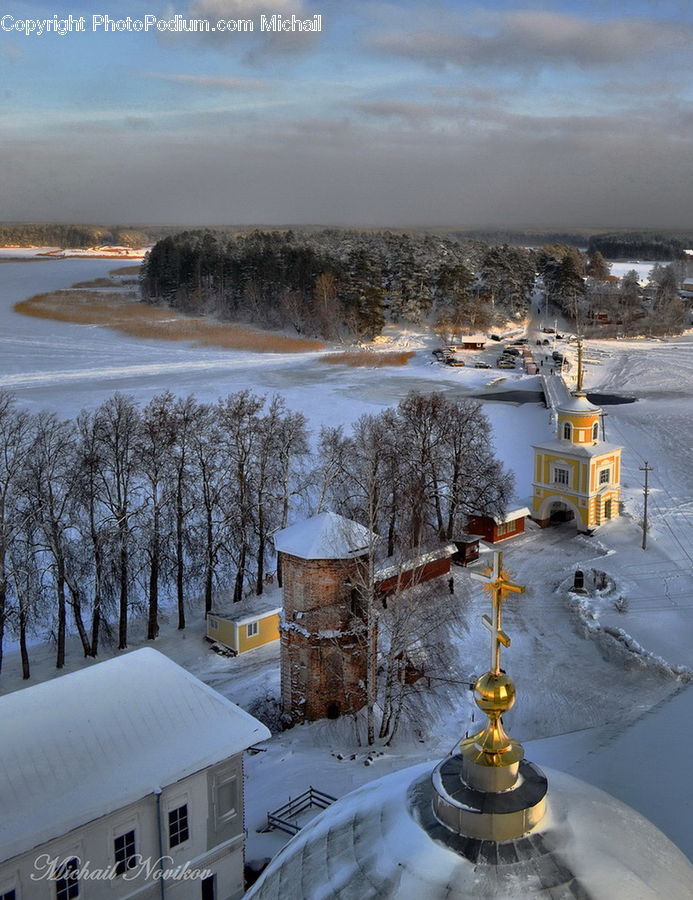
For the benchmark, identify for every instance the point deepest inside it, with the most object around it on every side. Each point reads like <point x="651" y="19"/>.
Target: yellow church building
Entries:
<point x="577" y="475"/>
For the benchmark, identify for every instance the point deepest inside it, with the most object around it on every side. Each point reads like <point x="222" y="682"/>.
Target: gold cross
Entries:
<point x="497" y="581"/>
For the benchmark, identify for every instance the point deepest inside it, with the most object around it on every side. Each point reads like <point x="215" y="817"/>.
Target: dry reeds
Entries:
<point x="126" y="270"/>
<point x="126" y="314"/>
<point x="369" y="358"/>
<point x="95" y="283"/>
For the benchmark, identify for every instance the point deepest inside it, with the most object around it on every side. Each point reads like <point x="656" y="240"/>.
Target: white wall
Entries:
<point x="214" y="846"/>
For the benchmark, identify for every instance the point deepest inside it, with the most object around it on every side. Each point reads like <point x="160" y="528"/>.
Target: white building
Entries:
<point x="128" y="773"/>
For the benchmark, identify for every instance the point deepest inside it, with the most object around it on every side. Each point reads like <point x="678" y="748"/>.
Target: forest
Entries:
<point x="125" y="510"/>
<point x="667" y="246"/>
<point x="339" y="284"/>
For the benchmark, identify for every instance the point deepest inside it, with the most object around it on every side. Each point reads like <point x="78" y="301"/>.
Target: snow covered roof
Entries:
<point x="325" y="536"/>
<point x="566" y="448"/>
<point x="577" y="403"/>
<point x="89" y="743"/>
<point x="382" y="841"/>
<point x="414" y="562"/>
<point x="510" y="516"/>
<point x="249" y="609"/>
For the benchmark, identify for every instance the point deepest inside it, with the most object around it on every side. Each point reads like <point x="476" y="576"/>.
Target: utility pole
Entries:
<point x="646" y="469"/>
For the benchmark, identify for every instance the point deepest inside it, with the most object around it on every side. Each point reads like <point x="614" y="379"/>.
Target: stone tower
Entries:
<point x="577" y="474"/>
<point x="323" y="630"/>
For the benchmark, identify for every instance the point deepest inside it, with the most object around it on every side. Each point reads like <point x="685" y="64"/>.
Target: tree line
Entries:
<point x="340" y="284"/>
<point x="107" y="517"/>
<point x="641" y="245"/>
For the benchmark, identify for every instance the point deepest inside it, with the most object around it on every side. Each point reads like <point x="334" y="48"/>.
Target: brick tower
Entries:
<point x="323" y="632"/>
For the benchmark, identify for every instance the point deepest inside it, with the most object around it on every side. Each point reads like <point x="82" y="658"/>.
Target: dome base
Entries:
<point x="487" y="815"/>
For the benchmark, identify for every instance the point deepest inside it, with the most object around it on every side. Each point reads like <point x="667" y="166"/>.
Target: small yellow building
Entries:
<point x="577" y="476"/>
<point x="245" y="625"/>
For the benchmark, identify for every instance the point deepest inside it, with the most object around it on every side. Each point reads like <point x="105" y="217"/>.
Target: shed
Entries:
<point x="498" y="528"/>
<point x="245" y="625"/>
<point x="472" y="342"/>
<point x="467" y="549"/>
<point x="418" y="569"/>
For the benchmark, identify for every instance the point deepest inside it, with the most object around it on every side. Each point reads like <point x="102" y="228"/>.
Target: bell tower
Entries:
<point x="577" y="475"/>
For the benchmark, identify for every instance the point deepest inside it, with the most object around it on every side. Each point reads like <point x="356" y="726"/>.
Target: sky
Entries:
<point x="395" y="113"/>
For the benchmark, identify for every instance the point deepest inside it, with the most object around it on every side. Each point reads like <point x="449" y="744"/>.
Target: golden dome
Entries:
<point x="494" y="693"/>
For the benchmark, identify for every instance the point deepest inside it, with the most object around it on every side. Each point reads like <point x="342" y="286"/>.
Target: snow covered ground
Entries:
<point x="593" y="692"/>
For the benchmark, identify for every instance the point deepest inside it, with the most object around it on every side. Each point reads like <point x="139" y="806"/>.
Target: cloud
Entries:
<point x="211" y="81"/>
<point x="534" y="39"/>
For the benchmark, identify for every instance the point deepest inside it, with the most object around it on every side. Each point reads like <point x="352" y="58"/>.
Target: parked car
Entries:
<point x="505" y="364"/>
<point x="481" y="365"/>
<point x="439" y="354"/>
<point x="549" y="330"/>
<point x="495" y="337"/>
<point x="511" y="351"/>
<point x="454" y="361"/>
<point x="545" y="342"/>
<point x="558" y="357"/>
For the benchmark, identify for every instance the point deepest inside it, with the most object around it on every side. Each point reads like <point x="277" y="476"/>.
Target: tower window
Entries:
<point x="604" y="476"/>
<point x="567" y="431"/>
<point x="561" y="476"/>
<point x="595" y="431"/>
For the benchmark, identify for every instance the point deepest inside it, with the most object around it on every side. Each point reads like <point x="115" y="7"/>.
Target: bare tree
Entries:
<point x="189" y="417"/>
<point x="14" y="443"/>
<point x="116" y="428"/>
<point x="208" y="475"/>
<point x="97" y="531"/>
<point x="155" y="441"/>
<point x="49" y="482"/>
<point x="238" y="425"/>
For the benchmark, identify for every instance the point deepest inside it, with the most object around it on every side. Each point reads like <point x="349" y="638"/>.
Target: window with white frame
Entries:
<point x="66" y="880"/>
<point x="124" y="851"/>
<point x="178" y="826"/>
<point x="252" y="628"/>
<point x="226" y="800"/>
<point x="213" y="624"/>
<point x="561" y="475"/>
<point x="604" y="476"/>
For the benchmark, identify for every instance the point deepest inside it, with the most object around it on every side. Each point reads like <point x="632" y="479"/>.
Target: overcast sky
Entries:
<point x="402" y="113"/>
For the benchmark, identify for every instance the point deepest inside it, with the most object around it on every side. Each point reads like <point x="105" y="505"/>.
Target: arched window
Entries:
<point x="567" y="431"/>
<point x="595" y="431"/>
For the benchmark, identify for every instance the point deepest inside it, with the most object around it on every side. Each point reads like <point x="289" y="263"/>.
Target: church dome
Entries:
<point x="383" y="841"/>
<point x="578" y="404"/>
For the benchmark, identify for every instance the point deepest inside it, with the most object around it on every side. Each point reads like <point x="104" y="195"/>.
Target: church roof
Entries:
<point x="91" y="742"/>
<point x="578" y="404"/>
<point x="382" y="841"/>
<point x="566" y="448"/>
<point x="325" y="536"/>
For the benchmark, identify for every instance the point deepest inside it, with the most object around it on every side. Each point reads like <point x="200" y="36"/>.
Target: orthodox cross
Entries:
<point x="497" y="581"/>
